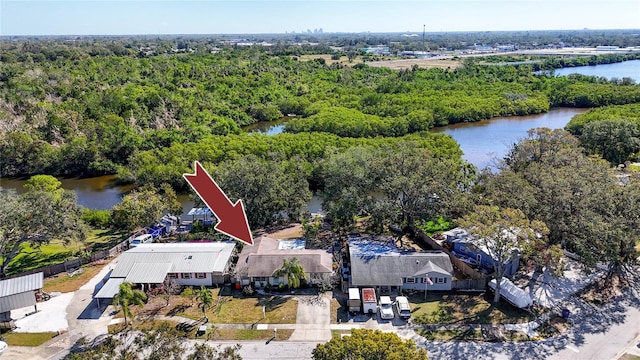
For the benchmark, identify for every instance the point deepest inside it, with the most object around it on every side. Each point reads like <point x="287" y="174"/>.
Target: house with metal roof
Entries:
<point x="379" y="263"/>
<point x="19" y="292"/>
<point x="258" y="263"/>
<point x="195" y="264"/>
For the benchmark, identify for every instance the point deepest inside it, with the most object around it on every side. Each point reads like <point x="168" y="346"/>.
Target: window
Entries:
<point x="260" y="278"/>
<point x="440" y="280"/>
<point x="173" y="276"/>
<point x="411" y="280"/>
<point x="201" y="275"/>
<point x="185" y="275"/>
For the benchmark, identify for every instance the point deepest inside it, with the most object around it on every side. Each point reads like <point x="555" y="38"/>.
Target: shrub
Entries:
<point x="188" y="292"/>
<point x="97" y="218"/>
<point x="247" y="290"/>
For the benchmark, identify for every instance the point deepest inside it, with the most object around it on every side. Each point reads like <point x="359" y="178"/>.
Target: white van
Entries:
<point x="402" y="306"/>
<point x="142" y="239"/>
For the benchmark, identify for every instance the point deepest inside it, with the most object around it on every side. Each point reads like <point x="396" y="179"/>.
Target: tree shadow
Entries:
<point x="272" y="302"/>
<point x="178" y="309"/>
<point x="588" y="319"/>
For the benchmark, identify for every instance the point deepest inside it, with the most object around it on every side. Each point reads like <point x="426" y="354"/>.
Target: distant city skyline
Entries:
<point x="138" y="17"/>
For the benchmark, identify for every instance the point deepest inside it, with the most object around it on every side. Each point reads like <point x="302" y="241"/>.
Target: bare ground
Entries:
<point x="291" y="231"/>
<point x="422" y="63"/>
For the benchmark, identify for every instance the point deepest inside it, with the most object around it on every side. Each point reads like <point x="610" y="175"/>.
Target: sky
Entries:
<point x="133" y="17"/>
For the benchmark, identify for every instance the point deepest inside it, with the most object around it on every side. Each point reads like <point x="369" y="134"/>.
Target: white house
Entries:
<point x="196" y="264"/>
<point x="258" y="263"/>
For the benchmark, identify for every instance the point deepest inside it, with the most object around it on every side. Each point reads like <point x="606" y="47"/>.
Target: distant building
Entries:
<point x="377" y="50"/>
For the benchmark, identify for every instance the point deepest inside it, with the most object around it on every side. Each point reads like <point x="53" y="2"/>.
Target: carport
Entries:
<point x="19" y="292"/>
<point x="108" y="290"/>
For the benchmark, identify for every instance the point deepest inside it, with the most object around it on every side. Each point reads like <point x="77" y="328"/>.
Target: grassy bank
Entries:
<point x="58" y="252"/>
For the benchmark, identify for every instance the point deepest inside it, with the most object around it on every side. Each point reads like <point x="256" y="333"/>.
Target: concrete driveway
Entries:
<point x="313" y="319"/>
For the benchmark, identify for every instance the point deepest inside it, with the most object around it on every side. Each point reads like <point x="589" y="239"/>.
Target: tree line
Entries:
<point x="89" y="115"/>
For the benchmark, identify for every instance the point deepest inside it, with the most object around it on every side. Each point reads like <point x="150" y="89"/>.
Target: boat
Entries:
<point x="513" y="294"/>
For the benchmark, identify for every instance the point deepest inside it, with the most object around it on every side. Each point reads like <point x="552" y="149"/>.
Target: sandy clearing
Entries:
<point x="51" y="316"/>
<point x="423" y="63"/>
<point x="293" y="231"/>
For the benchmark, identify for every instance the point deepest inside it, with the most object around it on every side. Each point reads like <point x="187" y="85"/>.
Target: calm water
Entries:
<point x="484" y="142"/>
<point x="268" y="127"/>
<point x="102" y="192"/>
<point x="630" y="69"/>
<point x="94" y="193"/>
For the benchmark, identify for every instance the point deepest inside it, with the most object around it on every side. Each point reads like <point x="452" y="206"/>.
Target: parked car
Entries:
<point x="142" y="239"/>
<point x="386" y="310"/>
<point x="402" y="307"/>
<point x="3" y="346"/>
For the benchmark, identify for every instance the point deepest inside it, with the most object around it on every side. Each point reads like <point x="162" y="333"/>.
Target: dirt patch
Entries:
<point x="604" y="289"/>
<point x="292" y="231"/>
<point x="402" y="64"/>
<point x="344" y="60"/>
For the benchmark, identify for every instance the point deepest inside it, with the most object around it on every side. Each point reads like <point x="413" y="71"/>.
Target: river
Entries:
<point x="481" y="142"/>
<point x="485" y="142"/>
<point x="630" y="69"/>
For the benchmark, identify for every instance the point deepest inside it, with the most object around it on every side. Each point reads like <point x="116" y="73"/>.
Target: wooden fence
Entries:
<point x="76" y="263"/>
<point x="469" y="284"/>
<point x="457" y="263"/>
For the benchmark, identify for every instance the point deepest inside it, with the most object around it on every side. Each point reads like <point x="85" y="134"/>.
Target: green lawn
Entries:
<point x="463" y="309"/>
<point x="629" y="357"/>
<point x="339" y="311"/>
<point x="28" y="339"/>
<point x="57" y="251"/>
<point x="248" y="310"/>
<point x="227" y="309"/>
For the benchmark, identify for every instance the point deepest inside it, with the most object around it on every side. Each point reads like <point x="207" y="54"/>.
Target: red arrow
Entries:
<point x="232" y="220"/>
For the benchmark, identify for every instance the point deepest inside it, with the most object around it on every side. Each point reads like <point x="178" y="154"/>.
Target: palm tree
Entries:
<point x="292" y="271"/>
<point x="127" y="296"/>
<point x="205" y="298"/>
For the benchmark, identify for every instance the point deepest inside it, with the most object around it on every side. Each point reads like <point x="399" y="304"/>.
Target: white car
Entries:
<point x="3" y="346"/>
<point x="386" y="310"/>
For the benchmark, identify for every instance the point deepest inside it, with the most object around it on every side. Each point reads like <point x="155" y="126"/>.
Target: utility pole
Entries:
<point x="424" y="26"/>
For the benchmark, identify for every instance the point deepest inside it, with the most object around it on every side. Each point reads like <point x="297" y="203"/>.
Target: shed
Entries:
<point x="19" y="292"/>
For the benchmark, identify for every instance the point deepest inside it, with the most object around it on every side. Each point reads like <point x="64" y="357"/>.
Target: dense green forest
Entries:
<point x="611" y="132"/>
<point x="72" y="109"/>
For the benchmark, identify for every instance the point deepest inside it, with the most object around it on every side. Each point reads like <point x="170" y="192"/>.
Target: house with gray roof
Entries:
<point x="258" y="263"/>
<point x="379" y="263"/>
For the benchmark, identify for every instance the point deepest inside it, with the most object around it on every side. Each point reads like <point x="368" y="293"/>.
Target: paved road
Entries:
<point x="600" y="332"/>
<point x="261" y="350"/>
